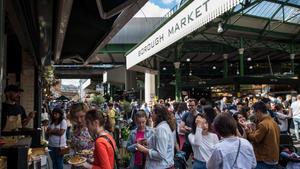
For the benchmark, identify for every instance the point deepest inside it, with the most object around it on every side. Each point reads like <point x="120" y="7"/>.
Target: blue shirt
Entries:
<point x="161" y="147"/>
<point x="131" y="144"/>
<point x="225" y="152"/>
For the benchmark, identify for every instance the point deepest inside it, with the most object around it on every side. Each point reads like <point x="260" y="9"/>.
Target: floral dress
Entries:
<point x="81" y="140"/>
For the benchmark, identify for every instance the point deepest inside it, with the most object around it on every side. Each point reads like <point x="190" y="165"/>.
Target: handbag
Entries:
<point x="63" y="150"/>
<point x="237" y="154"/>
<point x="116" y="165"/>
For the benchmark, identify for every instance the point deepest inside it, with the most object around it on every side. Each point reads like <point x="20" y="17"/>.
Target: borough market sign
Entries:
<point x="192" y="17"/>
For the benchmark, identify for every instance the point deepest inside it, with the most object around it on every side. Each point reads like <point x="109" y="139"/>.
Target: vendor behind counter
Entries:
<point x="13" y="114"/>
<point x="14" y="119"/>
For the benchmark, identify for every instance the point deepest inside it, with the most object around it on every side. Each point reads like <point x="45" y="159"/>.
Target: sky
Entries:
<point x="157" y="8"/>
<point x="74" y="82"/>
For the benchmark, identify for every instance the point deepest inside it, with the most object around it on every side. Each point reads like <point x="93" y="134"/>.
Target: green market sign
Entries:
<point x="192" y="17"/>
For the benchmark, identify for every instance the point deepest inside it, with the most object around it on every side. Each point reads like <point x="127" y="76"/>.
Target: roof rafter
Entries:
<point x="272" y="17"/>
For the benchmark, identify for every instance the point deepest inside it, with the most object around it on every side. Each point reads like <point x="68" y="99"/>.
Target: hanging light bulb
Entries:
<point x="214" y="67"/>
<point x="220" y="28"/>
<point x="164" y="68"/>
<point x="249" y="59"/>
<point x="190" y="74"/>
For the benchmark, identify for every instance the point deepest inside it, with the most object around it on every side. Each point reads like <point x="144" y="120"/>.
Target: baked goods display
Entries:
<point x="37" y="151"/>
<point x="76" y="160"/>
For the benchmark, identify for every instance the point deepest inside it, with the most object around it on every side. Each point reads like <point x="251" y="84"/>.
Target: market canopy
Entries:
<point x="267" y="30"/>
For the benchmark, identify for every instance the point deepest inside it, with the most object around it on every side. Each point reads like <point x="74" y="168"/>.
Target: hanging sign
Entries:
<point x="192" y="17"/>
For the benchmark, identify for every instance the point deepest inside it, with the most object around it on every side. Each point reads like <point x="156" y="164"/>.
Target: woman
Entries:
<point x="202" y="140"/>
<point x="105" y="146"/>
<point x="160" y="147"/>
<point x="180" y="111"/>
<point x="283" y="117"/>
<point x="142" y="132"/>
<point x="81" y="139"/>
<point x="232" y="152"/>
<point x="57" y="137"/>
<point x="241" y="124"/>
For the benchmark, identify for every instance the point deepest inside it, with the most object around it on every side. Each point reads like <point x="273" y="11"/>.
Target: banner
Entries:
<point x="192" y="17"/>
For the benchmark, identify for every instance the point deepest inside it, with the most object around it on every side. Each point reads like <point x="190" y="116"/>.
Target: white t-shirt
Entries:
<point x="203" y="145"/>
<point x="283" y="119"/>
<point x="54" y="139"/>
<point x="295" y="106"/>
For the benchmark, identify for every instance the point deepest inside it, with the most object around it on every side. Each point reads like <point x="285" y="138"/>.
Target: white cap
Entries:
<point x="44" y="116"/>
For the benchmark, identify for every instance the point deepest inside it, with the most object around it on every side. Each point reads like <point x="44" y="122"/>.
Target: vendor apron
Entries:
<point x="13" y="123"/>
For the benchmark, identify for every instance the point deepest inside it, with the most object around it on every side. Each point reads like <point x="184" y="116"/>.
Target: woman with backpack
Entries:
<point x="105" y="145"/>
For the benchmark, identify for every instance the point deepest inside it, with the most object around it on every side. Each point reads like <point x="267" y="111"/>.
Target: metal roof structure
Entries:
<point x="268" y="30"/>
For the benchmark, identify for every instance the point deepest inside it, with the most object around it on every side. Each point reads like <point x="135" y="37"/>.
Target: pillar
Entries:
<point x="149" y="86"/>
<point x="292" y="56"/>
<point x="177" y="81"/>
<point x="2" y="57"/>
<point x="225" y="71"/>
<point x="241" y="53"/>
<point x="28" y="83"/>
<point x="130" y="80"/>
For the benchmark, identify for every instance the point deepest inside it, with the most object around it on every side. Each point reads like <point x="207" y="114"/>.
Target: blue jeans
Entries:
<point x="199" y="164"/>
<point x="262" y="165"/>
<point x="57" y="159"/>
<point x="296" y="120"/>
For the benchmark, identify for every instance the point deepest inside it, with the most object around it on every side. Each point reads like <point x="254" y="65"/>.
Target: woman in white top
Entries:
<point x="231" y="152"/>
<point x="282" y="118"/>
<point x="57" y="137"/>
<point x="202" y="140"/>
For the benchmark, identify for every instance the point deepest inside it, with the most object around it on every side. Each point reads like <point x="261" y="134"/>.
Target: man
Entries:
<point x="112" y="113"/>
<point x="295" y="109"/>
<point x="265" y="138"/>
<point x="186" y="124"/>
<point x="13" y="114"/>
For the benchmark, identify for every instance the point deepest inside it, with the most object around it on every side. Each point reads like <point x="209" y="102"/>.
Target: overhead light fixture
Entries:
<point x="214" y="67"/>
<point x="250" y="67"/>
<point x="190" y="74"/>
<point x="249" y="59"/>
<point x="220" y="28"/>
<point x="188" y="59"/>
<point x="164" y="68"/>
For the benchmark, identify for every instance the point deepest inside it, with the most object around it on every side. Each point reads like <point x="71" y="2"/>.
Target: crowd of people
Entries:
<point x="241" y="133"/>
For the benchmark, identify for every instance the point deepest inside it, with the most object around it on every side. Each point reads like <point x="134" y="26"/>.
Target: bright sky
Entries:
<point x="74" y="82"/>
<point x="157" y="8"/>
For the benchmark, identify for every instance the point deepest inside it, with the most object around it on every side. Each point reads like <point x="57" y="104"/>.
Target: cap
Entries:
<point x="13" y="88"/>
<point x="44" y="116"/>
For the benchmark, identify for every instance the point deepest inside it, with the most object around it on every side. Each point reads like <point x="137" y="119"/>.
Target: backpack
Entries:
<point x="116" y="166"/>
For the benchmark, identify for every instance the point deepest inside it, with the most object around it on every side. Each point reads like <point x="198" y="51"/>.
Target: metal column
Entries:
<point x="292" y="57"/>
<point x="241" y="53"/>
<point x="225" y="71"/>
<point x="177" y="75"/>
<point x="2" y="57"/>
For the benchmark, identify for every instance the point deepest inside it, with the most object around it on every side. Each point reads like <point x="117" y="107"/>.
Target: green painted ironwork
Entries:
<point x="292" y="52"/>
<point x="225" y="71"/>
<point x="116" y="48"/>
<point x="2" y="38"/>
<point x="177" y="74"/>
<point x="272" y="17"/>
<point x="241" y="53"/>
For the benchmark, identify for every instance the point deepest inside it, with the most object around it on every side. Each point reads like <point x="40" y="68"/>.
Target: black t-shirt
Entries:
<point x="188" y="118"/>
<point x="11" y="110"/>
